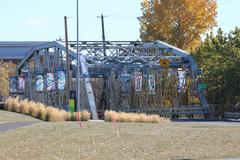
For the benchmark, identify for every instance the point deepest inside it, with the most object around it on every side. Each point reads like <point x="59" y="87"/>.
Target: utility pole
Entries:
<point x="78" y="64"/>
<point x="103" y="101"/>
<point x="103" y="35"/>
<point x="67" y="64"/>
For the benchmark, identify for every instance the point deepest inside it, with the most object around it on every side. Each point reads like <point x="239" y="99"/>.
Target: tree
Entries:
<point x="6" y="70"/>
<point x="3" y="80"/>
<point x="178" y="22"/>
<point x="219" y="58"/>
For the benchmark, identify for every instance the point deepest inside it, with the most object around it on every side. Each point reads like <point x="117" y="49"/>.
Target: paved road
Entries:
<point x="206" y="122"/>
<point x="14" y="125"/>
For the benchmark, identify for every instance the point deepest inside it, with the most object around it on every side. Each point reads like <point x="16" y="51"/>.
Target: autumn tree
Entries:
<point x="178" y="22"/>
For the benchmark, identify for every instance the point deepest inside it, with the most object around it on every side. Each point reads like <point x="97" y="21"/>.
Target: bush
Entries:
<point x="24" y="107"/>
<point x="54" y="115"/>
<point x="41" y="112"/>
<point x="12" y="104"/>
<point x="85" y="116"/>
<point x="8" y="104"/>
<point x="33" y="109"/>
<point x="110" y="116"/>
<point x="15" y="105"/>
<point x="73" y="116"/>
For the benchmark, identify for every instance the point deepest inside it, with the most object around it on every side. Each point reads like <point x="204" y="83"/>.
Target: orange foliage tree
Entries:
<point x="178" y="22"/>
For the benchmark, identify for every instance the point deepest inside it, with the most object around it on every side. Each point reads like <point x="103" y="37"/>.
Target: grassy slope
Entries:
<point x="137" y="141"/>
<point x="6" y="116"/>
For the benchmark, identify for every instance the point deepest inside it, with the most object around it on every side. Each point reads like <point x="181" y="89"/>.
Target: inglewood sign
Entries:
<point x="148" y="51"/>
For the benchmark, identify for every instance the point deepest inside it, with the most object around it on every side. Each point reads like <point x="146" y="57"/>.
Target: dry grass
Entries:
<point x="15" y="105"/>
<point x="7" y="103"/>
<point x="40" y="111"/>
<point x="33" y="109"/>
<point x="111" y="116"/>
<point x="85" y="116"/>
<point x="24" y="107"/>
<point x="72" y="116"/>
<point x="137" y="141"/>
<point x="54" y="115"/>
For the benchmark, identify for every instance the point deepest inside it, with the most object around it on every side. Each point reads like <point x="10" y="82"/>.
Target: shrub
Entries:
<point x="65" y="115"/>
<point x="8" y="104"/>
<point x="110" y="116"/>
<point x="12" y="104"/>
<point x="85" y="115"/>
<point x="54" y="115"/>
<point x="24" y="107"/>
<point x="15" y="105"/>
<point x="33" y="109"/>
<point x="73" y="116"/>
<point x="41" y="112"/>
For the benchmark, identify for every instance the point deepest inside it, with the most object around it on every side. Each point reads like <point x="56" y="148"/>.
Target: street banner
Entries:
<point x="21" y="84"/>
<point x="50" y="82"/>
<point x="138" y="81"/>
<point x="39" y="83"/>
<point x="12" y="85"/>
<point x="61" y="79"/>
<point x="151" y="81"/>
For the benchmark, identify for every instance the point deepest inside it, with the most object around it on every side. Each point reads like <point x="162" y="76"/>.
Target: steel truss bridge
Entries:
<point x="151" y="77"/>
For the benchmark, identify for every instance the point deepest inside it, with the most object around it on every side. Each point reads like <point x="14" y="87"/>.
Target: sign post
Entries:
<point x="202" y="86"/>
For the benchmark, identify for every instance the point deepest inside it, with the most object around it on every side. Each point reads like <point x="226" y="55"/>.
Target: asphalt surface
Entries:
<point x="210" y="122"/>
<point x="6" y="126"/>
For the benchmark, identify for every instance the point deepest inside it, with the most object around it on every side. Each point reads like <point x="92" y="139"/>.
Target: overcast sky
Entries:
<point x="38" y="20"/>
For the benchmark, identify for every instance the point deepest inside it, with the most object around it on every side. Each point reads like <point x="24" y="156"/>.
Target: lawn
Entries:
<point x="99" y="140"/>
<point x="6" y="116"/>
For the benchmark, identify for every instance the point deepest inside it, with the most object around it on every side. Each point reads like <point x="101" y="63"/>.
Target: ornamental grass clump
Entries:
<point x="40" y="111"/>
<point x="85" y="115"/>
<point x="33" y="109"/>
<point x="8" y="104"/>
<point x="15" y="105"/>
<point x="111" y="116"/>
<point x="54" y="115"/>
<point x="24" y="107"/>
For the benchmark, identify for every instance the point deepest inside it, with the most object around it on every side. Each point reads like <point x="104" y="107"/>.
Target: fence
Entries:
<point x="232" y="115"/>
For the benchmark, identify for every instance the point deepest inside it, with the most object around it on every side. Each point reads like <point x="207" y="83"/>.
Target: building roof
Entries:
<point x="14" y="50"/>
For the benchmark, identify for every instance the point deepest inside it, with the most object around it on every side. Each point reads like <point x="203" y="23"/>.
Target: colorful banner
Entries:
<point x="12" y="85"/>
<point x="39" y="83"/>
<point x="50" y="82"/>
<point x="21" y="84"/>
<point x="151" y="81"/>
<point x="125" y="81"/>
<point x="138" y="81"/>
<point x="61" y="79"/>
<point x="181" y="80"/>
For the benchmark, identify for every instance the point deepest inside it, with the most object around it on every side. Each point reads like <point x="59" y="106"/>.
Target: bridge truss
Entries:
<point x="152" y="77"/>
